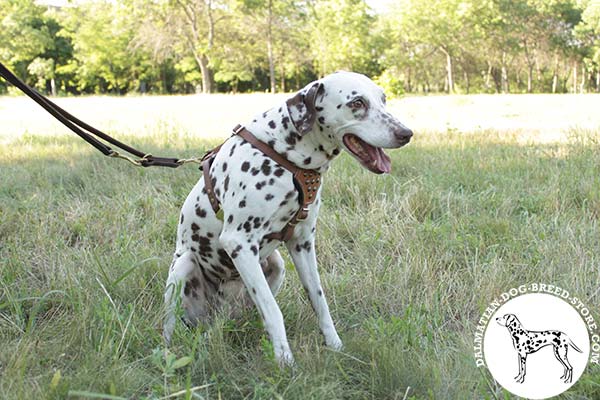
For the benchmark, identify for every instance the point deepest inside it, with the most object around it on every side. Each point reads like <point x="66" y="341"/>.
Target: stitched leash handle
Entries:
<point x="79" y="127"/>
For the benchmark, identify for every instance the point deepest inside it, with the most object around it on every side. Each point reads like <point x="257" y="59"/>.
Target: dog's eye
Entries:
<point x="358" y="103"/>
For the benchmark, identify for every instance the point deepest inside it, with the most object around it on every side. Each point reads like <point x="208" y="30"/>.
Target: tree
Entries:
<point x="589" y="32"/>
<point x="274" y="23"/>
<point x="30" y="43"/>
<point x="438" y="26"/>
<point x="182" y="28"/>
<point x="195" y="22"/>
<point x="239" y="45"/>
<point x="239" y="56"/>
<point x="101" y="33"/>
<point x="340" y="36"/>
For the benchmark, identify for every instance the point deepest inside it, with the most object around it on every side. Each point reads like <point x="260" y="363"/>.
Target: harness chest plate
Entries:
<point x="306" y="181"/>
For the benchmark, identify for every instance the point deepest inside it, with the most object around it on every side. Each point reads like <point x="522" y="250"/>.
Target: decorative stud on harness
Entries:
<point x="306" y="181"/>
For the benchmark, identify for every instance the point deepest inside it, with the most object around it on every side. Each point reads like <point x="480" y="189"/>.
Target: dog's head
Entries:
<point x="349" y="110"/>
<point x="508" y="320"/>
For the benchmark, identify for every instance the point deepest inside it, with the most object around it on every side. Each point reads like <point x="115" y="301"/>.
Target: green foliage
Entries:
<point x="167" y="362"/>
<point x="183" y="46"/>
<point x="340" y="37"/>
<point x="104" y="62"/>
<point x="589" y="31"/>
<point x="391" y="82"/>
<point x="30" y="42"/>
<point x="24" y="34"/>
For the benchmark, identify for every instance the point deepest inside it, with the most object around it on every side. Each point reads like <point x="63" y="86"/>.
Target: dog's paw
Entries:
<point x="285" y="359"/>
<point x="283" y="355"/>
<point x="334" y="343"/>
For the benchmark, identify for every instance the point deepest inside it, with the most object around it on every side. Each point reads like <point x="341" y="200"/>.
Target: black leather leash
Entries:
<point x="80" y="128"/>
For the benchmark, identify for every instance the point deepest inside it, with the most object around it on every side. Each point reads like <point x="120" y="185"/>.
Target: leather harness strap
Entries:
<point x="306" y="181"/>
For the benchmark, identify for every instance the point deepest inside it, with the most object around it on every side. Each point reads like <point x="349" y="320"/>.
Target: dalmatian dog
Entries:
<point x="528" y="342"/>
<point x="227" y="262"/>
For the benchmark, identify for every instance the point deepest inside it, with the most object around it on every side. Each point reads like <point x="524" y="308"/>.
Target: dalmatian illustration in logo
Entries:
<point x="527" y="342"/>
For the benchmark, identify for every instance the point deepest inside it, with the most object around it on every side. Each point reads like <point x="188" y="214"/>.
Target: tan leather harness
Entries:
<point x="306" y="181"/>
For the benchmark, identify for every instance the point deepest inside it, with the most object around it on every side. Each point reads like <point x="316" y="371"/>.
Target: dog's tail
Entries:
<point x="573" y="346"/>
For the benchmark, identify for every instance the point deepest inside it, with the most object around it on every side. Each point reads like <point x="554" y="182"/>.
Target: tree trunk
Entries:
<point x="598" y="81"/>
<point x="270" y="45"/>
<point x="271" y="65"/>
<point x="207" y="76"/>
<point x="555" y="74"/>
<point x="282" y="81"/>
<point x="496" y="75"/>
<point x="53" y="87"/>
<point x="583" y="79"/>
<point x="202" y="62"/>
<point x="194" y="40"/>
<point x="488" y="76"/>
<point x="504" y="74"/>
<point x="449" y="77"/>
<point x="530" y="57"/>
<point x="575" y="77"/>
<point x="564" y="79"/>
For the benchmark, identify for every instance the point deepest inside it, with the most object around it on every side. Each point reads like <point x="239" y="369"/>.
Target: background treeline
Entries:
<point x="186" y="46"/>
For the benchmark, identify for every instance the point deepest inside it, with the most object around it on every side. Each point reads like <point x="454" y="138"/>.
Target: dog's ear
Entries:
<point x="302" y="107"/>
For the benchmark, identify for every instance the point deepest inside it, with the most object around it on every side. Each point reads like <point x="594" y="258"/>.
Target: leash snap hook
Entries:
<point x="116" y="154"/>
<point x="147" y="160"/>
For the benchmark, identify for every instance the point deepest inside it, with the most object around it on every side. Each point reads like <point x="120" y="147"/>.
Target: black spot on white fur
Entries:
<point x="266" y="167"/>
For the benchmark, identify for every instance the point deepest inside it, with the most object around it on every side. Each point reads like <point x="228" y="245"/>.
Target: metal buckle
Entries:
<point x="305" y="209"/>
<point x="238" y="129"/>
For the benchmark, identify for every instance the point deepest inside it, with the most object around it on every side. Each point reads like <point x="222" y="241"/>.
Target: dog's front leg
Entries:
<point x="302" y="249"/>
<point x="246" y="262"/>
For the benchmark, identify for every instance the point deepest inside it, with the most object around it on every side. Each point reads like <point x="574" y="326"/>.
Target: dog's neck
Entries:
<point x="313" y="150"/>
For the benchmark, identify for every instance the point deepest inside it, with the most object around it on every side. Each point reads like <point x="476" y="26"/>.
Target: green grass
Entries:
<point x="409" y="261"/>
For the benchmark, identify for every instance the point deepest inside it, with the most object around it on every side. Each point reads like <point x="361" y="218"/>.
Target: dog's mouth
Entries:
<point x="372" y="158"/>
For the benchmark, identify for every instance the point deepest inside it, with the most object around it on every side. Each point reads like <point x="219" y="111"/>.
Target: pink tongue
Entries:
<point x="381" y="161"/>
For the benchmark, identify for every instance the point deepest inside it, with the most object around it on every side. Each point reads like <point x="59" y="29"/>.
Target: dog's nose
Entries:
<point x="403" y="133"/>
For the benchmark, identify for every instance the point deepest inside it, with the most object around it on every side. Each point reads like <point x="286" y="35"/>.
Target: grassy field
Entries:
<point x="409" y="262"/>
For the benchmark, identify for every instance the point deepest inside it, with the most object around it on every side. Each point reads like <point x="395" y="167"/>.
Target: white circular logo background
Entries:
<point x="536" y="312"/>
